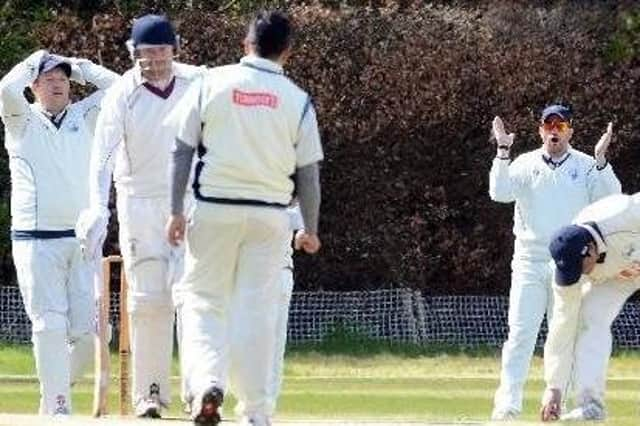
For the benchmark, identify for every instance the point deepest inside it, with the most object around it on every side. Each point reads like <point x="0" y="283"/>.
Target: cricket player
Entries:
<point x="549" y="185"/>
<point x="597" y="268"/>
<point x="257" y="137"/>
<point x="49" y="146"/>
<point x="133" y="143"/>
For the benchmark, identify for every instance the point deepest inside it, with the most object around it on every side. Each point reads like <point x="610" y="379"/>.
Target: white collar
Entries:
<point x="50" y="115"/>
<point x="262" y="64"/>
<point x="139" y="80"/>
<point x="555" y="160"/>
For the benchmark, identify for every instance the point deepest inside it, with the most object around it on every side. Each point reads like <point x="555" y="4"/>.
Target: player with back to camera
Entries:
<point x="253" y="128"/>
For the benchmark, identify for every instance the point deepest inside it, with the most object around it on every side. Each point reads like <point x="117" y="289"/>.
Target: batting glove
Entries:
<point x="91" y="231"/>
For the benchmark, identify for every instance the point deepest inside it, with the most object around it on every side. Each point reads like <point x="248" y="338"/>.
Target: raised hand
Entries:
<point x="600" y="152"/>
<point x="503" y="140"/>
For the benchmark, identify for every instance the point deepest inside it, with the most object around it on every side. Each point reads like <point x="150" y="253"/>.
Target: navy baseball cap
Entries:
<point x="559" y="110"/>
<point x="50" y="62"/>
<point x="568" y="247"/>
<point x="154" y="30"/>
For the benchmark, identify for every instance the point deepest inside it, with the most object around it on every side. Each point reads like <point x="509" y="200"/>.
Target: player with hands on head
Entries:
<point x="597" y="268"/>
<point x="553" y="178"/>
<point x="133" y="144"/>
<point x="49" y="146"/>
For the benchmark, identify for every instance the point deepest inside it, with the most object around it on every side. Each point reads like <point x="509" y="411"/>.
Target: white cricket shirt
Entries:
<point x="546" y="197"/>
<point x="49" y="165"/>
<point x="255" y="127"/>
<point x="133" y="139"/>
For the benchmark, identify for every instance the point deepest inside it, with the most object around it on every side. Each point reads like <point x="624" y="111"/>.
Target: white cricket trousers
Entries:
<point x="151" y="266"/>
<point x="601" y="304"/>
<point x="282" y="321"/>
<point x="57" y="287"/>
<point x="530" y="297"/>
<point x="233" y="256"/>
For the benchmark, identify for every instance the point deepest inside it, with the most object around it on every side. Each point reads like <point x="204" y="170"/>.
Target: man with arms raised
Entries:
<point x="549" y="186"/>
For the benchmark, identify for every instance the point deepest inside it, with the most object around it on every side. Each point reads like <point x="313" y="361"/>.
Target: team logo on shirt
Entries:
<point x="574" y="174"/>
<point x="254" y="99"/>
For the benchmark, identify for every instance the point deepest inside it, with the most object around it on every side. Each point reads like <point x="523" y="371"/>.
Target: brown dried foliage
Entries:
<point x="405" y="98"/>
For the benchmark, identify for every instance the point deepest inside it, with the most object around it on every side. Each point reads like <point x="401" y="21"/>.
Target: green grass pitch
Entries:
<point x="424" y="386"/>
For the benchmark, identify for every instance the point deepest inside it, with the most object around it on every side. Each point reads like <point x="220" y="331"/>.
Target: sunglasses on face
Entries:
<point x="561" y="126"/>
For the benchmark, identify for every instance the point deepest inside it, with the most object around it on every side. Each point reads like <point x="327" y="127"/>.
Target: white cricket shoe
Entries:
<point x="255" y="420"/>
<point x="504" y="415"/>
<point x="591" y="411"/>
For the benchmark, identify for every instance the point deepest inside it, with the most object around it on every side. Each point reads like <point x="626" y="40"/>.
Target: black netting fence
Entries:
<point x="400" y="315"/>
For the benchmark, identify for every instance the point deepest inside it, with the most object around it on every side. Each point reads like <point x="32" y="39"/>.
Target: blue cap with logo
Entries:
<point x="50" y="62"/>
<point x="568" y="247"/>
<point x="560" y="110"/>
<point x="154" y="30"/>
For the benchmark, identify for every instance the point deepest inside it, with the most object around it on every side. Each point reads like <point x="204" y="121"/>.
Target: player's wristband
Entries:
<point x="503" y="152"/>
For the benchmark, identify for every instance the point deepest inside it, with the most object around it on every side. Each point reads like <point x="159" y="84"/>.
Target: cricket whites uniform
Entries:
<point x="253" y="128"/>
<point x="579" y="342"/>
<point x="49" y="164"/>
<point x="547" y="196"/>
<point x="133" y="143"/>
